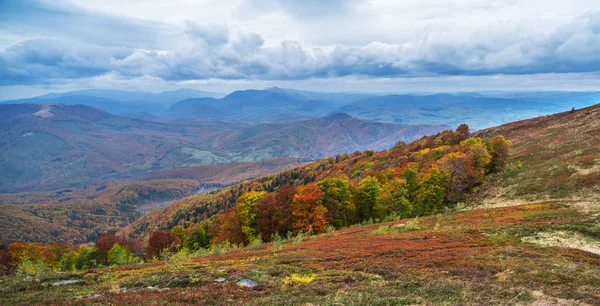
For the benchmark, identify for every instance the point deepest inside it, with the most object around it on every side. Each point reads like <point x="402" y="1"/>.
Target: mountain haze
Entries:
<point x="49" y="146"/>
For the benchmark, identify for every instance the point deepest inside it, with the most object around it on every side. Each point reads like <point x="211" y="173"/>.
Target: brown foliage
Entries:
<point x="461" y="174"/>
<point x="159" y="241"/>
<point x="228" y="227"/>
<point x="274" y="212"/>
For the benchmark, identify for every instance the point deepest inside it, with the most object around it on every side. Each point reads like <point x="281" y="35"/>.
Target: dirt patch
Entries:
<point x="542" y="299"/>
<point x="44" y="112"/>
<point x="565" y="239"/>
<point x="584" y="171"/>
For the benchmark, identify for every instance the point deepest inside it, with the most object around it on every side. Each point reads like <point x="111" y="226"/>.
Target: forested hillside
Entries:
<point x="79" y="215"/>
<point x="52" y="146"/>
<point x="412" y="179"/>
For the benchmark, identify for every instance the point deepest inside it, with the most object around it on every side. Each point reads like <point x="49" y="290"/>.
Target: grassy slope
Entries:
<point x="499" y="255"/>
<point x="560" y="156"/>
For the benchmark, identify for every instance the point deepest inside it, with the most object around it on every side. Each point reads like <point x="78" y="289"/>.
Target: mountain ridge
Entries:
<point x="77" y="144"/>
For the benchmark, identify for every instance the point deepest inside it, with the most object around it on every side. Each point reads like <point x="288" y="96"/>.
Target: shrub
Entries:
<point x="410" y="225"/>
<point x="277" y="243"/>
<point x="299" y="237"/>
<point x="119" y="256"/>
<point x="299" y="278"/>
<point x="86" y="258"/>
<point x="37" y="268"/>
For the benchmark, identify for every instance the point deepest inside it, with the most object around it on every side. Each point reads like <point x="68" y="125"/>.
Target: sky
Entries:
<point x="320" y="45"/>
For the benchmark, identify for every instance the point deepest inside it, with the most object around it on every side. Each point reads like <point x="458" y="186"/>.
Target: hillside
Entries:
<point x="538" y="248"/>
<point x="50" y="146"/>
<point x="79" y="215"/>
<point x="530" y="173"/>
<point x="319" y="138"/>
<point x="555" y="157"/>
<point x="432" y="160"/>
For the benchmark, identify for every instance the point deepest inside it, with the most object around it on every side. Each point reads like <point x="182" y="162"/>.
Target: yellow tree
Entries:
<point x="246" y="210"/>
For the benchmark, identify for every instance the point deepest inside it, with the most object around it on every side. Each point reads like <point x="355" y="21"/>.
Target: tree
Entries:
<point x="104" y="243"/>
<point x="429" y="197"/>
<point x="479" y="154"/>
<point x="267" y="216"/>
<point x="246" y="211"/>
<point x="462" y="132"/>
<point x="368" y="194"/>
<point x="338" y="201"/>
<point x="180" y="232"/>
<point x="197" y="237"/>
<point x="394" y="198"/>
<point x="161" y="241"/>
<point x="119" y="255"/>
<point x="308" y="211"/>
<point x="284" y="199"/>
<point x="412" y="183"/>
<point x="460" y="173"/>
<point x="86" y="258"/>
<point x="227" y="227"/>
<point x="498" y="147"/>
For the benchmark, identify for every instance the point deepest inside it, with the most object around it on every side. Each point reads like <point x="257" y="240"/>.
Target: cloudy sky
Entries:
<point x="330" y="45"/>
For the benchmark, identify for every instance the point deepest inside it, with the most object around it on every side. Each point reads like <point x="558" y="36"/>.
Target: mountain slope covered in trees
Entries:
<point x="50" y="146"/>
<point x="80" y="215"/>
<point x="408" y="180"/>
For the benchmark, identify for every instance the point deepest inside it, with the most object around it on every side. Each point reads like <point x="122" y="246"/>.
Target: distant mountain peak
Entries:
<point x="338" y="116"/>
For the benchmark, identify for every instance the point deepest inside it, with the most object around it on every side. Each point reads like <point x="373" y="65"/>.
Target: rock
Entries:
<point x="66" y="282"/>
<point x="152" y="287"/>
<point x="220" y="280"/>
<point x="247" y="283"/>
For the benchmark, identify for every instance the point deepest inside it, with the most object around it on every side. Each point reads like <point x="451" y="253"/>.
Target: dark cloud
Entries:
<point x="41" y="60"/>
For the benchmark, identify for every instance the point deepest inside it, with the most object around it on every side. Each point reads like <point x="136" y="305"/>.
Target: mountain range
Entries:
<point x="276" y="105"/>
<point x="48" y="146"/>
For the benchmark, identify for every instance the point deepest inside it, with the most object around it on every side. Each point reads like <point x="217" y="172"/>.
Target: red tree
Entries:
<point x="285" y="198"/>
<point x="159" y="241"/>
<point x="267" y="216"/>
<point x="105" y="242"/>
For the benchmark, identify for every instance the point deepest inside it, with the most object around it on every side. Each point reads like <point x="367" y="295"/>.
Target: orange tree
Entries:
<point x="308" y="211"/>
